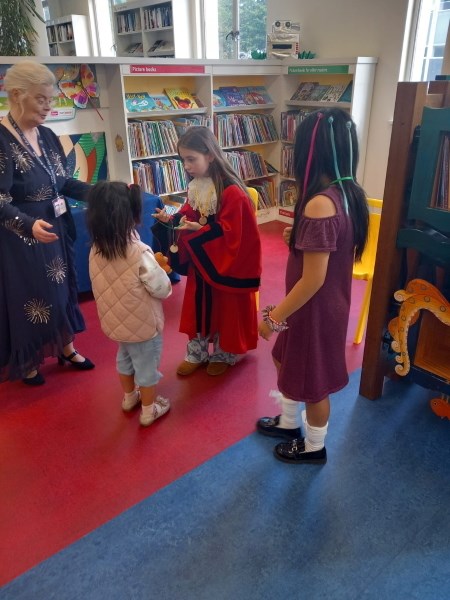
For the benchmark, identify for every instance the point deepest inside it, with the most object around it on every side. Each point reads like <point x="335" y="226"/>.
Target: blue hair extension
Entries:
<point x="350" y="143"/>
<point x="336" y="168"/>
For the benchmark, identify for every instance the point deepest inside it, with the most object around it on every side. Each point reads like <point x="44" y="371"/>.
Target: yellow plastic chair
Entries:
<point x="253" y="193"/>
<point x="365" y="268"/>
<point x="255" y="198"/>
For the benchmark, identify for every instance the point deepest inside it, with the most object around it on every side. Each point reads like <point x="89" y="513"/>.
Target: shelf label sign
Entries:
<point x="152" y="69"/>
<point x="59" y="113"/>
<point x="286" y="213"/>
<point x="319" y="69"/>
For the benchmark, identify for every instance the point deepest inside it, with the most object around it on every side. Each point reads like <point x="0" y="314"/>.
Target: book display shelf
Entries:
<point x="244" y="106"/>
<point x="152" y="28"/>
<point x="178" y="99"/>
<point x="316" y="84"/>
<point x="245" y="121"/>
<point x="142" y="119"/>
<point x="69" y="36"/>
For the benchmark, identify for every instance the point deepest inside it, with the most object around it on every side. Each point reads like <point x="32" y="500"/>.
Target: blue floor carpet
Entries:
<point x="373" y="523"/>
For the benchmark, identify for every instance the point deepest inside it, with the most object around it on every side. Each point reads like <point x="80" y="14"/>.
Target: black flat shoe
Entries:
<point x="294" y="452"/>
<point x="38" y="379"/>
<point x="270" y="426"/>
<point x="86" y="365"/>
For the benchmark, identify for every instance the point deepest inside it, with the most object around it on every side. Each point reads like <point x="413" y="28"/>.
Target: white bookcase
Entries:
<point x="69" y="36"/>
<point x="116" y="77"/>
<point x="153" y="28"/>
<point x="360" y="72"/>
<point x="280" y="80"/>
<point x="268" y="147"/>
<point x="154" y="80"/>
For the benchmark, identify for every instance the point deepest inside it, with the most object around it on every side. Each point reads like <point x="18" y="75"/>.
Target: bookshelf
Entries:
<point x="413" y="258"/>
<point x="152" y="135"/>
<point x="69" y="36"/>
<point x="231" y="123"/>
<point x="313" y="84"/>
<point x="431" y="175"/>
<point x="248" y="130"/>
<point x="127" y="75"/>
<point x="153" y="28"/>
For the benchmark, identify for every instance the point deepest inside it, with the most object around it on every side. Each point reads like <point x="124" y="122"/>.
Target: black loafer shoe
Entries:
<point x="294" y="452"/>
<point x="270" y="426"/>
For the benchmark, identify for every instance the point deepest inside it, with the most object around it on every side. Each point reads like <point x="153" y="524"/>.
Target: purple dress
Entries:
<point x="312" y="350"/>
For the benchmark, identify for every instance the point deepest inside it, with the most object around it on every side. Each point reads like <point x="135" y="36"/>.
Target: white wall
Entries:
<point x="62" y="8"/>
<point x="349" y="28"/>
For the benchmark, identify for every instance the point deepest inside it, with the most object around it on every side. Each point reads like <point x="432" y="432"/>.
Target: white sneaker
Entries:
<point x="129" y="403"/>
<point x="159" y="408"/>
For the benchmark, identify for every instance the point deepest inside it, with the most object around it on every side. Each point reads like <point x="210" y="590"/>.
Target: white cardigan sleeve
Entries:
<point x="154" y="278"/>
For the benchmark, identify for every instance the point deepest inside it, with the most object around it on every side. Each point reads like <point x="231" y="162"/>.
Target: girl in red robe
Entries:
<point x="215" y="242"/>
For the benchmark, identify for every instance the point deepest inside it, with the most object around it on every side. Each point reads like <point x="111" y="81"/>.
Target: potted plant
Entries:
<point x="17" y="33"/>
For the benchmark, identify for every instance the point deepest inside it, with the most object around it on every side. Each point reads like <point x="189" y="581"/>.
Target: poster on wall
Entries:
<point x="86" y="156"/>
<point x="76" y="88"/>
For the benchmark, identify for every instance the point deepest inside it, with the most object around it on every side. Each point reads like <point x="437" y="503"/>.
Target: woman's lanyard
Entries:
<point x="59" y="204"/>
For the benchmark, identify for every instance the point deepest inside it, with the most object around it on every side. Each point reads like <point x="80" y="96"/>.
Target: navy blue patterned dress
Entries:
<point x="39" y="311"/>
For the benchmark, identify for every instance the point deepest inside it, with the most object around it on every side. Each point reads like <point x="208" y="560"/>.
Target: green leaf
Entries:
<point x="17" y="33"/>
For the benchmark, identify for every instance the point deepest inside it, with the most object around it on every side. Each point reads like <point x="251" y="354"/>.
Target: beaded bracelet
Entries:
<point x="276" y="326"/>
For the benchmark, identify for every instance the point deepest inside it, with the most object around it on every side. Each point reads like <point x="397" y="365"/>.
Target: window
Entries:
<point x="432" y="23"/>
<point x="233" y="28"/>
<point x="46" y="10"/>
<point x="101" y="23"/>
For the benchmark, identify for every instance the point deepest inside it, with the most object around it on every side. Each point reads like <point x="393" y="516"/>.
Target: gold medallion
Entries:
<point x="203" y="220"/>
<point x="173" y="248"/>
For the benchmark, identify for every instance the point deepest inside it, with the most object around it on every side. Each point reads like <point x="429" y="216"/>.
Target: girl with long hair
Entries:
<point x="328" y="234"/>
<point x="215" y="242"/>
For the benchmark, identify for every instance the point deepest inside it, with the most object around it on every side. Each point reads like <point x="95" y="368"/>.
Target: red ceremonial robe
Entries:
<point x="223" y="261"/>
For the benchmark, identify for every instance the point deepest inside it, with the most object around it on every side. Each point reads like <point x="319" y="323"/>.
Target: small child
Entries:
<point x="128" y="285"/>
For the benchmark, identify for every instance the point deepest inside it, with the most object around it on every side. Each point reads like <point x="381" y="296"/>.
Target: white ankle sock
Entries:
<point x="131" y="395"/>
<point x="315" y="437"/>
<point x="289" y="413"/>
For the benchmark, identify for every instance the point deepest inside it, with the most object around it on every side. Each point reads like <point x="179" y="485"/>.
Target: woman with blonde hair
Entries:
<point x="39" y="312"/>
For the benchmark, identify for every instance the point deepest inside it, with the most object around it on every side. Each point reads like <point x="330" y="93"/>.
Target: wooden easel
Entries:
<point x="410" y="101"/>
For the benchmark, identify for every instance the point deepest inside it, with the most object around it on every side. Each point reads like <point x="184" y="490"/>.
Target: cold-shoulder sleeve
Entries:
<point x="317" y="235"/>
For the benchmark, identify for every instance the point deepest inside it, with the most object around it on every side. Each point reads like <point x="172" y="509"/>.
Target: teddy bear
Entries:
<point x="163" y="262"/>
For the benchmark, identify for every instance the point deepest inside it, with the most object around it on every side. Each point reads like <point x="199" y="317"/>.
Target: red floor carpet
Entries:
<point x="72" y="460"/>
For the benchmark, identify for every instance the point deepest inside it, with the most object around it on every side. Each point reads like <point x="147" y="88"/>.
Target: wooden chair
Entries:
<point x="365" y="268"/>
